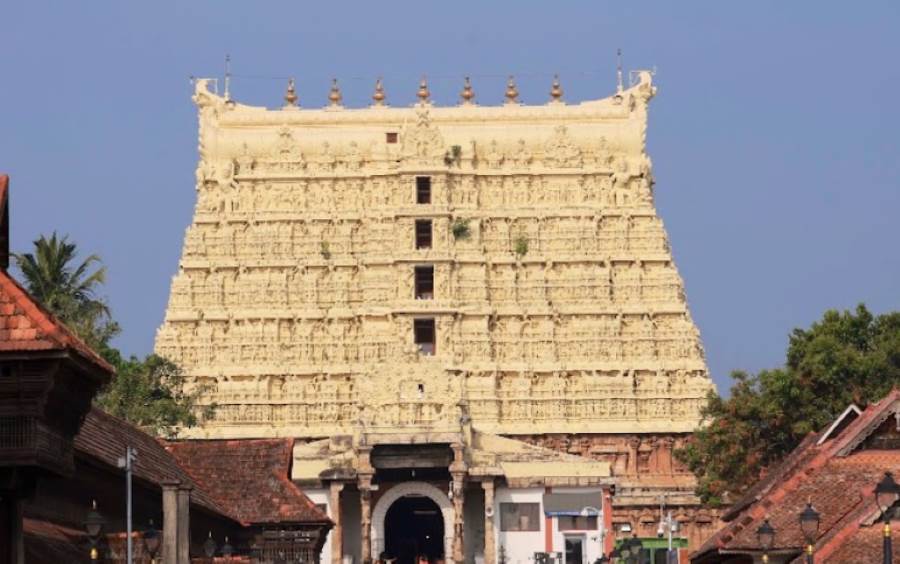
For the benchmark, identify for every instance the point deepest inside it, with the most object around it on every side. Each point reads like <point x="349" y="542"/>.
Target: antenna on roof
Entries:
<point x="619" y="85"/>
<point x="227" y="77"/>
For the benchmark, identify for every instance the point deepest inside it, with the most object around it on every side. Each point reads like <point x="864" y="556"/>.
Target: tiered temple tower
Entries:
<point x="422" y="275"/>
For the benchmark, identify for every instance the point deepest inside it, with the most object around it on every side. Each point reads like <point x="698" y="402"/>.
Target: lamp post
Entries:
<point x="93" y="525"/>
<point x="765" y="534"/>
<point x="809" y="524"/>
<point x="151" y="541"/>
<point x="127" y="463"/>
<point x="667" y="524"/>
<point x="886" y="493"/>
<point x="209" y="547"/>
<point x="227" y="549"/>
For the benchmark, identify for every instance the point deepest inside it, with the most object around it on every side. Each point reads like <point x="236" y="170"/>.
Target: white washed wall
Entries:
<point x="520" y="546"/>
<point x="591" y="538"/>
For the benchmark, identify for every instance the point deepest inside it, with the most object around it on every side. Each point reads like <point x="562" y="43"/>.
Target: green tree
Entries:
<point x="151" y="394"/>
<point x="69" y="290"/>
<point x="846" y="357"/>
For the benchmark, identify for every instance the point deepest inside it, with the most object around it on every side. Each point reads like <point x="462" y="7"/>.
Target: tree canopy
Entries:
<point x="150" y="392"/>
<point x="846" y="357"/>
<point x="67" y="289"/>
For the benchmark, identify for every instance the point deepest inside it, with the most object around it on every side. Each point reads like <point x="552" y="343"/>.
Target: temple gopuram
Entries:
<point x="467" y="318"/>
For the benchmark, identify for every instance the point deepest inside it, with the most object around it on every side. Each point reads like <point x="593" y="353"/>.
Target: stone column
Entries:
<point x="365" y="500"/>
<point x="364" y="473"/>
<point x="337" y="533"/>
<point x="169" y="547"/>
<point x="459" y="494"/>
<point x="490" y="556"/>
<point x="184" y="524"/>
<point x="457" y="489"/>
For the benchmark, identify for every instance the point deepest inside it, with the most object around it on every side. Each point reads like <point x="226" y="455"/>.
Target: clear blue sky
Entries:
<point x="775" y="134"/>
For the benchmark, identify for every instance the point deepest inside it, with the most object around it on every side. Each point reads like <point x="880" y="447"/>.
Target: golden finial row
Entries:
<point x="467" y="96"/>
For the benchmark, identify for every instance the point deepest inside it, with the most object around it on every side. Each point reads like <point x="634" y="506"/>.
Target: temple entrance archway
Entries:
<point x="414" y="526"/>
<point x="413" y="517"/>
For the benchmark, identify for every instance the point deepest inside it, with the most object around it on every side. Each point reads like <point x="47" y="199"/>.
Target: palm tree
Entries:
<point x="67" y="290"/>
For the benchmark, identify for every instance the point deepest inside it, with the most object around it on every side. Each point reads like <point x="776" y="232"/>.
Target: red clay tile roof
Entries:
<point x="799" y="456"/>
<point x="104" y="438"/>
<point x="837" y="479"/>
<point x="863" y="544"/>
<point x="26" y="326"/>
<point x="840" y="487"/>
<point x="250" y="477"/>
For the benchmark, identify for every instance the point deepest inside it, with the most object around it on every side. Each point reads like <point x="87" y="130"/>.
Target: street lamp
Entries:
<point x="886" y="493"/>
<point x="93" y="524"/>
<point x="765" y="534"/>
<point x="667" y="524"/>
<point x="209" y="547"/>
<point x="151" y="541"/>
<point x="809" y="524"/>
<point x="227" y="549"/>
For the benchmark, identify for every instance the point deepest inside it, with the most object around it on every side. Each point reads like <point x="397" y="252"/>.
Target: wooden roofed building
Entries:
<point x="835" y="470"/>
<point x="58" y="455"/>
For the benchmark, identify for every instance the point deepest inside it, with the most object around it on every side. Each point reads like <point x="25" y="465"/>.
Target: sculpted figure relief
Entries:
<point x="301" y="253"/>
<point x="422" y="141"/>
<point x="561" y="151"/>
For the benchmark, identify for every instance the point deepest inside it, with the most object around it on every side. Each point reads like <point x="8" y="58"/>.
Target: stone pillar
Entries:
<point x="184" y="524"/>
<point x="459" y="495"/>
<point x="458" y="492"/>
<point x="490" y="556"/>
<point x="365" y="500"/>
<point x="364" y="473"/>
<point x="337" y="533"/>
<point x="169" y="548"/>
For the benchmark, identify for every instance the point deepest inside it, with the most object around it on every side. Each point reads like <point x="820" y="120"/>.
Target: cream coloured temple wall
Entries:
<point x="560" y="311"/>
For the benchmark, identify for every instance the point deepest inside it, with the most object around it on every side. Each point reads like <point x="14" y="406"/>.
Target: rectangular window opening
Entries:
<point x="520" y="516"/>
<point x="424" y="282"/>
<point x="423" y="233"/>
<point x="424" y="335"/>
<point x="391" y="137"/>
<point x="577" y="523"/>
<point x="423" y="189"/>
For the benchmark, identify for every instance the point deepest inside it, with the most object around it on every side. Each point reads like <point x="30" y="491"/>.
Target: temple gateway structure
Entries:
<point x="468" y="319"/>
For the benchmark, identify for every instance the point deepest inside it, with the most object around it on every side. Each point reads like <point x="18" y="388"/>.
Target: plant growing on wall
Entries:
<point x="325" y="250"/>
<point x="460" y="229"/>
<point x="453" y="156"/>
<point x="520" y="246"/>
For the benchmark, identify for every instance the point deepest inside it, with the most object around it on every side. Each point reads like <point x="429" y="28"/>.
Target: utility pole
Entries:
<point x="127" y="462"/>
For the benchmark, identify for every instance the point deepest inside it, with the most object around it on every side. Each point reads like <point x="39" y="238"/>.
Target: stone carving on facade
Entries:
<point x="422" y="141"/>
<point x="561" y="151"/>
<point x="295" y="297"/>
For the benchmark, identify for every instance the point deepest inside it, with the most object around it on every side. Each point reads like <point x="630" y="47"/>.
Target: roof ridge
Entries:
<point x="851" y="437"/>
<point x="53" y="329"/>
